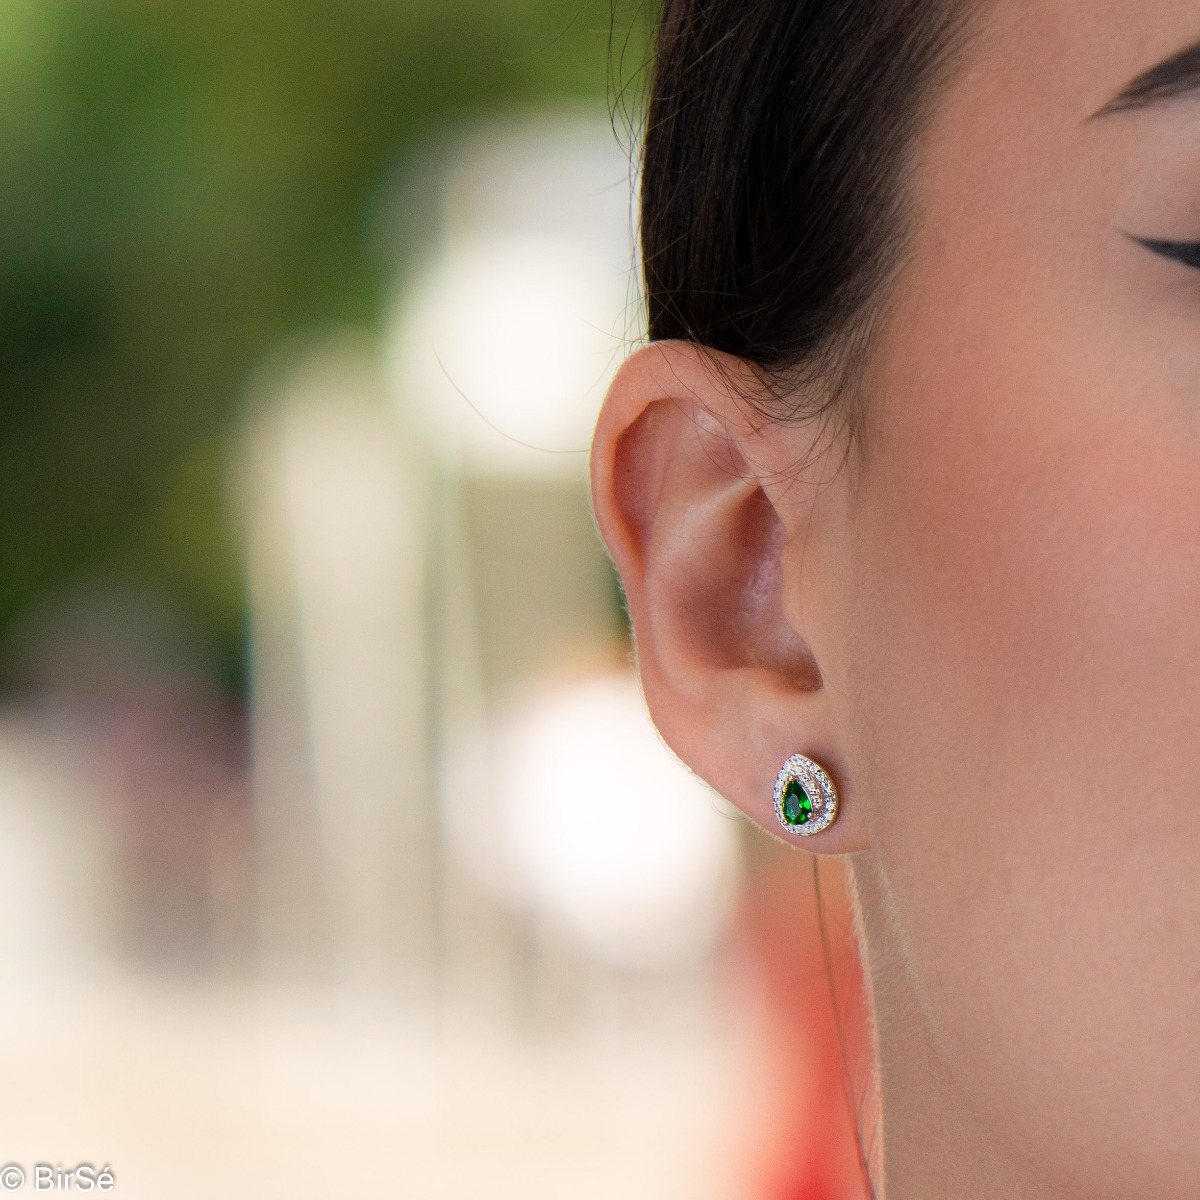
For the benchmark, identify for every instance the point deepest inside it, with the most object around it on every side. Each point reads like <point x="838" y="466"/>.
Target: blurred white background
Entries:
<point x="443" y="923"/>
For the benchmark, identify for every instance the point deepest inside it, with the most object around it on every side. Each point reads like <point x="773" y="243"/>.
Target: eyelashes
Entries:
<point x="1187" y="253"/>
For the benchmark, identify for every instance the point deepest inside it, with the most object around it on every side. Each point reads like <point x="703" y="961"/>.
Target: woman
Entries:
<point x="908" y="482"/>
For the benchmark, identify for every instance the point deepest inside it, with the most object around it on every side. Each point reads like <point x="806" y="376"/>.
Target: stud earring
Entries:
<point x="806" y="802"/>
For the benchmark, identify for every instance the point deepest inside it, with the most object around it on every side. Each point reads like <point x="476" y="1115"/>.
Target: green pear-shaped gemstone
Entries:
<point x="797" y="807"/>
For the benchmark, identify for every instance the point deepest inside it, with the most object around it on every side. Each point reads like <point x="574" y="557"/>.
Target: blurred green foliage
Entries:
<point x="183" y="185"/>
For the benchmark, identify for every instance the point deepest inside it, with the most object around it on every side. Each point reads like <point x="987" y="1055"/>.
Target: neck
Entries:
<point x="936" y="1145"/>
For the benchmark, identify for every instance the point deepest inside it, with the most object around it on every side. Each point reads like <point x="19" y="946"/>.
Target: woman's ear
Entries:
<point x="718" y="522"/>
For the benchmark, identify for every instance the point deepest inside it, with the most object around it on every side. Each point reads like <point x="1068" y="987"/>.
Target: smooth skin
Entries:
<point x="983" y="618"/>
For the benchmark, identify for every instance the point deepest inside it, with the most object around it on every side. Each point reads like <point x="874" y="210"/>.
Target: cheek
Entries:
<point x="1049" y="568"/>
<point x="1023" y="685"/>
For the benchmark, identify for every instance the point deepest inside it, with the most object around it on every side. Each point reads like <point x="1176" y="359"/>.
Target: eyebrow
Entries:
<point x="1172" y="78"/>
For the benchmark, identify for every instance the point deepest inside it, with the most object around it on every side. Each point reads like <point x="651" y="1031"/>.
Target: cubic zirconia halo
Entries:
<point x="816" y="787"/>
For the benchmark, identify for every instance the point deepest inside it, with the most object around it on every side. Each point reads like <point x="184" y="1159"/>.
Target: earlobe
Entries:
<point x="705" y="531"/>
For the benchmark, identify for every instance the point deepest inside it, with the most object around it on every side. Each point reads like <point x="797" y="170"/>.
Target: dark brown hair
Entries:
<point x="774" y="204"/>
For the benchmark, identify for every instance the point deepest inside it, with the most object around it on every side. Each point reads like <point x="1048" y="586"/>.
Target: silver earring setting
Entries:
<point x="806" y="802"/>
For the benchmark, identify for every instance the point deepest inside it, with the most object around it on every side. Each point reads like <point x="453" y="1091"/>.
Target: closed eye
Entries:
<point x="1187" y="253"/>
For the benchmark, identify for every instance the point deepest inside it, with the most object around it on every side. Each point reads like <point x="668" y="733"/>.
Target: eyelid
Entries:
<point x="1187" y="253"/>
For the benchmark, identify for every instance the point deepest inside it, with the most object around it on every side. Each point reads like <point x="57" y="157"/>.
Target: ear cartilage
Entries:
<point x="806" y="802"/>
